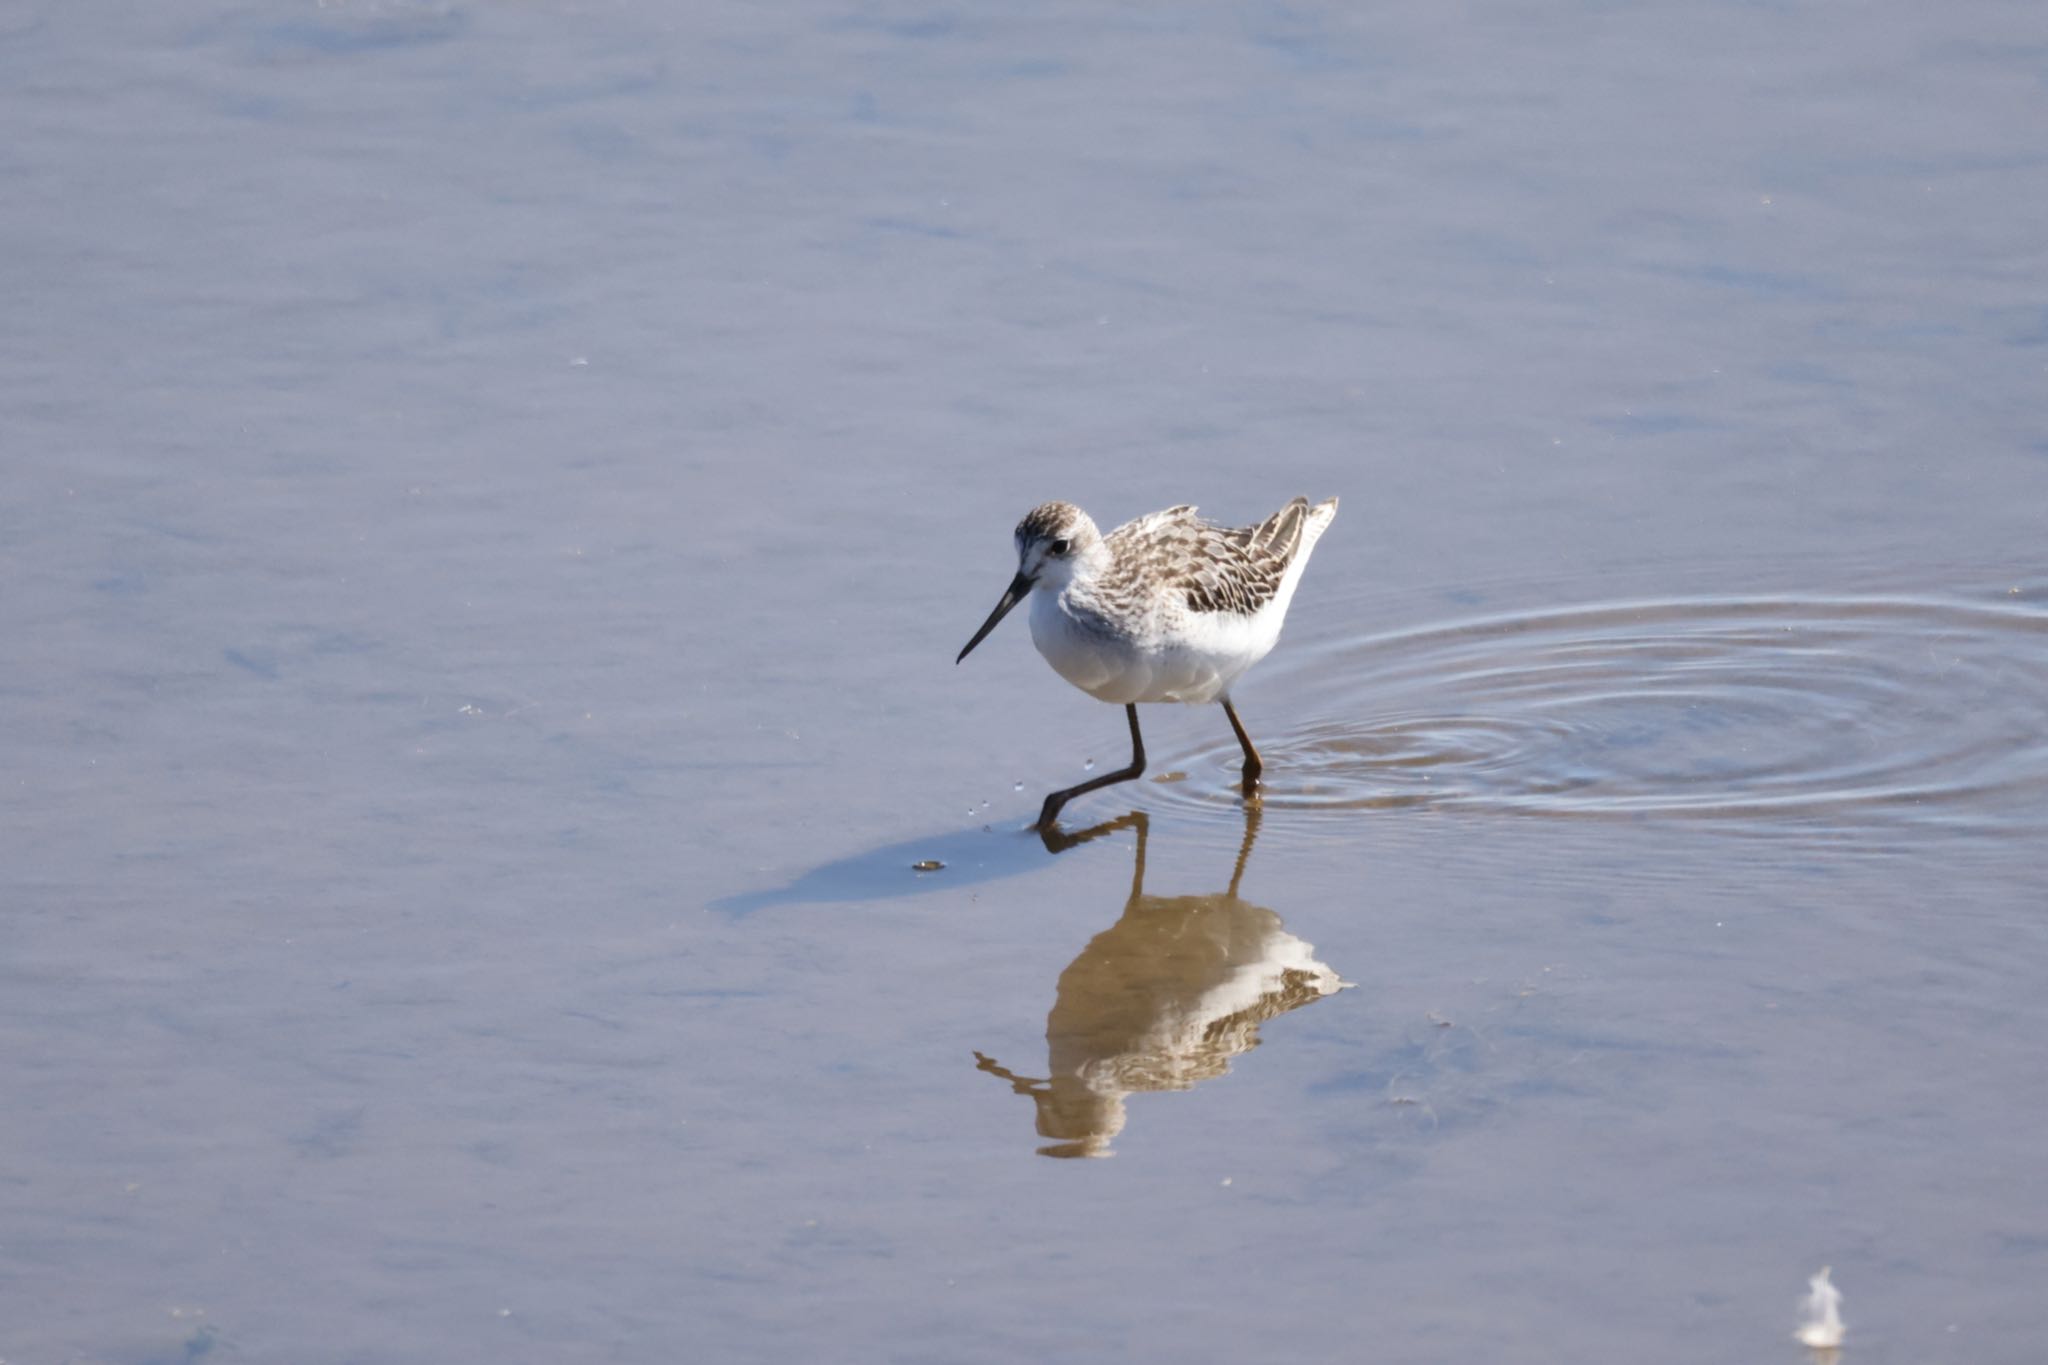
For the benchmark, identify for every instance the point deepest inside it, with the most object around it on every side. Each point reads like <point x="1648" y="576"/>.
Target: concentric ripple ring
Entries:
<point x="1847" y="711"/>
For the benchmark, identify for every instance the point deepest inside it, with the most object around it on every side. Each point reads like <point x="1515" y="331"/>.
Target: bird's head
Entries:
<point x="1054" y="540"/>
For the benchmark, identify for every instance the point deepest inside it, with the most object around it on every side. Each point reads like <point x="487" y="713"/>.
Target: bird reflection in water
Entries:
<point x="1160" y="1000"/>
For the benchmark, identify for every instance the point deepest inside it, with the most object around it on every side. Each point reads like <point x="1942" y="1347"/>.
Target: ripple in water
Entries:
<point x="1832" y="712"/>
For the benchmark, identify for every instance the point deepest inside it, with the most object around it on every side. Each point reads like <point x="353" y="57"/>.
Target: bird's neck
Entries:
<point x="1086" y="568"/>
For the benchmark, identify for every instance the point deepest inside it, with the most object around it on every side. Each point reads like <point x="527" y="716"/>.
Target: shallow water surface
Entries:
<point x="494" y="493"/>
<point x="1832" y="716"/>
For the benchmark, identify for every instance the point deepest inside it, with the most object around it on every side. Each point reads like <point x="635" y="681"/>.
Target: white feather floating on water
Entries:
<point x="1822" y="1329"/>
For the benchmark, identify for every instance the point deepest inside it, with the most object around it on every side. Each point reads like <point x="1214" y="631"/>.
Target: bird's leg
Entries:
<point x="1252" y="765"/>
<point x="1051" y="809"/>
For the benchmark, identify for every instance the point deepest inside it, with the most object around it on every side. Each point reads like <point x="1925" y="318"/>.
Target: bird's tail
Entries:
<point x="1316" y="520"/>
<point x="1289" y="532"/>
<point x="1311" y="522"/>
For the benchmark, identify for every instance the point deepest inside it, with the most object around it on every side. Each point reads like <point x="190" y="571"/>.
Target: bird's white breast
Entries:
<point x="1154" y="652"/>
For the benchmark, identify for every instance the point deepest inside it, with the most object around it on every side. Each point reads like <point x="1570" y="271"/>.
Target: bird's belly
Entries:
<point x="1191" y="666"/>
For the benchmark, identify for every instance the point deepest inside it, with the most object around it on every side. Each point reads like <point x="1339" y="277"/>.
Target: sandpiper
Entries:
<point x="1166" y="607"/>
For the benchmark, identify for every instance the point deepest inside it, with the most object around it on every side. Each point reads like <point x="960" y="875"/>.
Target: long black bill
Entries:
<point x="1019" y="589"/>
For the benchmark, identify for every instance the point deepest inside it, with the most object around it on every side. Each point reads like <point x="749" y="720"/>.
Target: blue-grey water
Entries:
<point x="492" y="495"/>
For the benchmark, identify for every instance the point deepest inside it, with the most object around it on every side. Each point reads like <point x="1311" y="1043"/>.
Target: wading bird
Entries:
<point x="1166" y="607"/>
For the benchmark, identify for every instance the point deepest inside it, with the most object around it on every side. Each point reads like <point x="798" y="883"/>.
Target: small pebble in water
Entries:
<point x="928" y="865"/>
<point x="1019" y="787"/>
<point x="1089" y="766"/>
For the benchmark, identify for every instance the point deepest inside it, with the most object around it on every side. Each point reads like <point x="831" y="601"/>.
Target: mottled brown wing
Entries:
<point x="1241" y="570"/>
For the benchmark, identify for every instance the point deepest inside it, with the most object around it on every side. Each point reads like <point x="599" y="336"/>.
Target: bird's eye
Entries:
<point x="1059" y="547"/>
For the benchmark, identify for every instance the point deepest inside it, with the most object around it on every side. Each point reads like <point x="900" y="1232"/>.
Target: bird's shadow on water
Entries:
<point x="966" y="857"/>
